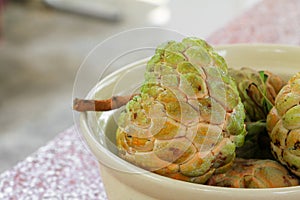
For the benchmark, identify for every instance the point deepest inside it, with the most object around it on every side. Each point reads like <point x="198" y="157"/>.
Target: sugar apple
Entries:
<point x="283" y="125"/>
<point x="188" y="118"/>
<point x="253" y="173"/>
<point x="258" y="90"/>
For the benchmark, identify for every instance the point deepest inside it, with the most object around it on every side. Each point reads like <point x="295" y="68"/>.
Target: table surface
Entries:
<point x="65" y="169"/>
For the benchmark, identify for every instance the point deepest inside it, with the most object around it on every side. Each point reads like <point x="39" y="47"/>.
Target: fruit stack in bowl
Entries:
<point x="195" y="120"/>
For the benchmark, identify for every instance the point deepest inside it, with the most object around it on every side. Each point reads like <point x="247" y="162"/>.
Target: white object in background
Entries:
<point x="93" y="8"/>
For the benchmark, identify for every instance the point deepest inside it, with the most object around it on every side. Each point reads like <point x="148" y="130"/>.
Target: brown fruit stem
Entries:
<point x="115" y="102"/>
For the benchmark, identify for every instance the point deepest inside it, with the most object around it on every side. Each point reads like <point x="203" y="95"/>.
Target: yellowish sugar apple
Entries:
<point x="188" y="118"/>
<point x="283" y="124"/>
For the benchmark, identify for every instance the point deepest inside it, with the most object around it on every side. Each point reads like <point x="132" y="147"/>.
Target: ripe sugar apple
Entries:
<point x="188" y="118"/>
<point x="283" y="125"/>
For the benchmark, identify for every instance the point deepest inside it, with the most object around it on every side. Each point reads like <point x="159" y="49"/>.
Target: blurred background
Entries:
<point x="43" y="43"/>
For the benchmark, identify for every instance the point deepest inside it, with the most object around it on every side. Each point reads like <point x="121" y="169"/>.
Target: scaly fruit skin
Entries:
<point x="188" y="118"/>
<point x="258" y="90"/>
<point x="283" y="125"/>
<point x="252" y="173"/>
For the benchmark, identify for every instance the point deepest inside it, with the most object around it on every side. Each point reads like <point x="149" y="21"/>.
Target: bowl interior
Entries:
<point x="100" y="127"/>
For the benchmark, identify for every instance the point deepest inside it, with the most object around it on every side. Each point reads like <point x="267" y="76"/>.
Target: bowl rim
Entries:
<point x="183" y="185"/>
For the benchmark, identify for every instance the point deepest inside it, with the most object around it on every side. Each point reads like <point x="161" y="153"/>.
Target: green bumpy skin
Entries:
<point x="253" y="173"/>
<point x="188" y="119"/>
<point x="283" y="125"/>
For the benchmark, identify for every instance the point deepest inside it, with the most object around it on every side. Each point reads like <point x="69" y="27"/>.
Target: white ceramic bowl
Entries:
<point x="123" y="180"/>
